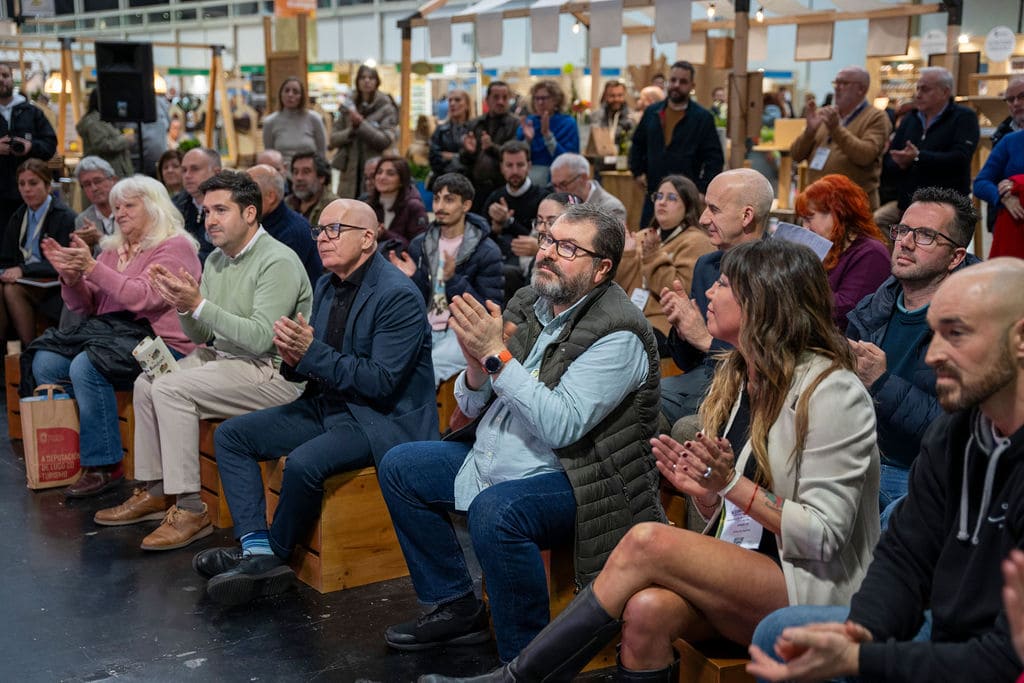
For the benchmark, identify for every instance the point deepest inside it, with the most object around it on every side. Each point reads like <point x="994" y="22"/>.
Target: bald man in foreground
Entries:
<point x="963" y="513"/>
<point x="365" y="358"/>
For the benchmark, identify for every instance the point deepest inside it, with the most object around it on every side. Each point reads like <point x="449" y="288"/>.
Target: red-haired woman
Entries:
<point x="859" y="261"/>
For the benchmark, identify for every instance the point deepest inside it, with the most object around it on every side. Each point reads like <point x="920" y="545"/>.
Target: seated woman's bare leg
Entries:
<point x="723" y="589"/>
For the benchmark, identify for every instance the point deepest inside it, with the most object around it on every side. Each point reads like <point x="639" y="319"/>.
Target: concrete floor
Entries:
<point x="81" y="602"/>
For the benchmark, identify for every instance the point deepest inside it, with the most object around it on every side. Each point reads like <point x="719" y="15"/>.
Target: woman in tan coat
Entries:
<point x="666" y="251"/>
<point x="366" y="127"/>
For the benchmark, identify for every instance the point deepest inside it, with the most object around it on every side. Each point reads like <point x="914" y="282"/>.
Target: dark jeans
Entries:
<point x="682" y="395"/>
<point x="509" y="523"/>
<point x="317" y="444"/>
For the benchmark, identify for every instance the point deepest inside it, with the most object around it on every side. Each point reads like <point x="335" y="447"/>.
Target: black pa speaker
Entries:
<point x="124" y="79"/>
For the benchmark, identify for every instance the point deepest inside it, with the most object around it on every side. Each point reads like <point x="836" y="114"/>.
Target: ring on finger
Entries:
<point x="707" y="473"/>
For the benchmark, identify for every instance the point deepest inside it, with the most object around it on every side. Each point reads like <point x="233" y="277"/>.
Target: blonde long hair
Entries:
<point x="165" y="221"/>
<point x="786" y="312"/>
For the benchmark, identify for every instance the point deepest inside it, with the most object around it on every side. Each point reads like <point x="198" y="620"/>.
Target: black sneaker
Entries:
<point x="441" y="626"/>
<point x="212" y="561"/>
<point x="256" y="576"/>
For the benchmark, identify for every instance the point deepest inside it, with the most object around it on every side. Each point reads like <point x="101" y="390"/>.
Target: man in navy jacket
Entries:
<point x="691" y="148"/>
<point x="365" y="357"/>
<point x="934" y="145"/>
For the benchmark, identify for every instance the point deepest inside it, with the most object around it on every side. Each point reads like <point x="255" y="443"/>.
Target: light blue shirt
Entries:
<point x="33" y="226"/>
<point x="517" y="435"/>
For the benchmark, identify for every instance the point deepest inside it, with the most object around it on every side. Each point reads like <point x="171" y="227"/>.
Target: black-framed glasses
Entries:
<point x="1010" y="99"/>
<point x="670" y="196"/>
<point x="923" y="237"/>
<point x="333" y="230"/>
<point x="564" y="248"/>
<point x="540" y="222"/>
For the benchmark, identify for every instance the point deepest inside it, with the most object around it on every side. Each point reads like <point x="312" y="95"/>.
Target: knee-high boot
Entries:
<point x="560" y="651"/>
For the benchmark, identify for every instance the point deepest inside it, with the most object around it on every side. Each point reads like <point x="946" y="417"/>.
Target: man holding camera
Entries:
<point x="24" y="133"/>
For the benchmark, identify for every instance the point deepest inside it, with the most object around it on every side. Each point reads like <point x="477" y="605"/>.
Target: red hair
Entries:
<point x="851" y="212"/>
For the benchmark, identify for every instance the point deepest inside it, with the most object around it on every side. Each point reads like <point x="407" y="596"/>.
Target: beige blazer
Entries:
<point x="830" y="510"/>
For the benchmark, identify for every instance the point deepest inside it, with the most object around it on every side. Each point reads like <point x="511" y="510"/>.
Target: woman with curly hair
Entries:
<point x="859" y="260"/>
<point x="789" y="493"/>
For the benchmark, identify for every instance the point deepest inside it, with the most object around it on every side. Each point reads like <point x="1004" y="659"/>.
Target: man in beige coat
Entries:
<point x="848" y="137"/>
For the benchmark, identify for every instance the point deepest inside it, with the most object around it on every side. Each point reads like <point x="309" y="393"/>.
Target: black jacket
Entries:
<point x="923" y="560"/>
<point x="58" y="223"/>
<point x="945" y="152"/>
<point x="694" y="150"/>
<point x="25" y="118"/>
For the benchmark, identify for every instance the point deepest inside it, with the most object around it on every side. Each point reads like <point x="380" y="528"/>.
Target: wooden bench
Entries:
<point x="125" y="413"/>
<point x="713" y="662"/>
<point x="353" y="542"/>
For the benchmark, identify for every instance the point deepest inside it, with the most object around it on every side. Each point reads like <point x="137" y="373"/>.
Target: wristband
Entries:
<point x="731" y="485"/>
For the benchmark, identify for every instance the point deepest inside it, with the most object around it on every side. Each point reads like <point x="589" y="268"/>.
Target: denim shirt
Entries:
<point x="517" y="436"/>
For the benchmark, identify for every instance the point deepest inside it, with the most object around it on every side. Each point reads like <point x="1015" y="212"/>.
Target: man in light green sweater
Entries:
<point x="249" y="281"/>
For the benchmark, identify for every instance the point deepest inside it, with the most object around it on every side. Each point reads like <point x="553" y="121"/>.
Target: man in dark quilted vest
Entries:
<point x="564" y="392"/>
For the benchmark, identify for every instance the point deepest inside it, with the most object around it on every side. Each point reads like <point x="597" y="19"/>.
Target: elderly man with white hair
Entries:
<point x="847" y="137"/>
<point x="934" y="145"/>
<point x="571" y="173"/>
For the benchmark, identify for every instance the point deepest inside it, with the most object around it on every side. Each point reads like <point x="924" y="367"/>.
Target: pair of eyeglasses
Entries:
<point x="541" y="222"/>
<point x="564" y="185"/>
<point x="564" y="248"/>
<point x="670" y="196"/>
<point x="1010" y="99"/>
<point x="333" y="230"/>
<point x="923" y="237"/>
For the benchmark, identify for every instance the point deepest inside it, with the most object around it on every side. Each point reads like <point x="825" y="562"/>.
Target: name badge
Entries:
<point x="639" y="297"/>
<point x="820" y="157"/>
<point x="739" y="528"/>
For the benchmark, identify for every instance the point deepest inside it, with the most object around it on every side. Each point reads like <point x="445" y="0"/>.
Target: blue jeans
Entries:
<point x="318" y="444"/>
<point x="892" y="485"/>
<point x="772" y="626"/>
<point x="510" y="523"/>
<point x="99" y="432"/>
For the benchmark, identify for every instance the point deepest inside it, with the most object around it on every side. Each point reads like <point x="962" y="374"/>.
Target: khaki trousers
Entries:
<point x="168" y="410"/>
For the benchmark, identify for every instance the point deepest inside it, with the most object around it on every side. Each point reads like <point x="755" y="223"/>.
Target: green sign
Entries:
<point x="181" y="71"/>
<point x="320" y="67"/>
<point x="253" y="69"/>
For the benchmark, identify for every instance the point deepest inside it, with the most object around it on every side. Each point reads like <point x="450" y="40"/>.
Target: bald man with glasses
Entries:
<point x="365" y="357"/>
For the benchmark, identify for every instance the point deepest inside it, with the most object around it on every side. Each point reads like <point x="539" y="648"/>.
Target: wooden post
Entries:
<point x="211" y="101"/>
<point x="219" y="90"/>
<point x="595" y="78"/>
<point x="954" y="10"/>
<point x="67" y="73"/>
<point x="406" y="89"/>
<point x="738" y="95"/>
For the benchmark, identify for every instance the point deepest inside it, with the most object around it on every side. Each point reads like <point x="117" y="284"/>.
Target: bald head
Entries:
<point x="992" y="288"/>
<point x="271" y="185"/>
<point x="750" y="187"/>
<point x="272" y="158"/>
<point x="343" y="251"/>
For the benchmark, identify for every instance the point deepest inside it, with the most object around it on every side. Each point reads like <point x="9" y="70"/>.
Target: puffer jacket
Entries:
<point x="903" y="409"/>
<point x="478" y="265"/>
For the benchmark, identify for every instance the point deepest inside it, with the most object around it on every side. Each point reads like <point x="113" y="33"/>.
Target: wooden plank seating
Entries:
<point x="712" y="662"/>
<point x="446" y="404"/>
<point x="558" y="564"/>
<point x="354" y="542"/>
<point x="125" y="413"/>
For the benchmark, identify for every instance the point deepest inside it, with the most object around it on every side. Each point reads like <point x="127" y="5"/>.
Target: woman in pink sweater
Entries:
<point x="149" y="231"/>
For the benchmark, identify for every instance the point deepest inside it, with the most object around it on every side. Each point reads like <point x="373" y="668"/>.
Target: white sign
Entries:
<point x="999" y="44"/>
<point x="933" y="43"/>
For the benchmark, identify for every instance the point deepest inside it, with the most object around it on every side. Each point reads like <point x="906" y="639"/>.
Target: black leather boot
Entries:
<point x="669" y="674"/>
<point x="560" y="651"/>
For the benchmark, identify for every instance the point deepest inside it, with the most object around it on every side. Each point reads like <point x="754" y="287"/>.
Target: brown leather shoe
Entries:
<point x="140" y="507"/>
<point x="94" y="481"/>
<point x="179" y="528"/>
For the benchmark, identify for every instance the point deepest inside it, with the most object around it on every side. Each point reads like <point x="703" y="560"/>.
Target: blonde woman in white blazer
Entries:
<point x="791" y="520"/>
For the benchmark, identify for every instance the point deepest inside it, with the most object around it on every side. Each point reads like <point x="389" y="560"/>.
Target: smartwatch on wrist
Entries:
<point x="494" y="364"/>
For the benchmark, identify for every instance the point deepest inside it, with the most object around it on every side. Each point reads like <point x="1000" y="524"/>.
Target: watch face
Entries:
<point x="492" y="364"/>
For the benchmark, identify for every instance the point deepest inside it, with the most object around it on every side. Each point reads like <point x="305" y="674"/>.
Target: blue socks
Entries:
<point x="256" y="543"/>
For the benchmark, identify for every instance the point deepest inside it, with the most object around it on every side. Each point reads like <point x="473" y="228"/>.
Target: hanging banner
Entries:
<point x="605" y="23"/>
<point x="888" y="36"/>
<point x="440" y="32"/>
<point x="490" y="34"/>
<point x="673" y="20"/>
<point x="544" y="29"/>
<point x="813" y="42"/>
